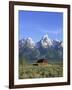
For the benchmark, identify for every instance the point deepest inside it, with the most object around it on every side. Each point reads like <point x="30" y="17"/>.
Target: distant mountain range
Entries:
<point x="45" y="48"/>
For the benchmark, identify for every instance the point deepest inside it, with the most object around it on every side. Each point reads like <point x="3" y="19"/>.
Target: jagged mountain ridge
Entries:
<point x="45" y="42"/>
<point x="45" y="48"/>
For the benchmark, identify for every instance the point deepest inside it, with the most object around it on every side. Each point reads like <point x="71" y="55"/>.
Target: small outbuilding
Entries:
<point x="42" y="61"/>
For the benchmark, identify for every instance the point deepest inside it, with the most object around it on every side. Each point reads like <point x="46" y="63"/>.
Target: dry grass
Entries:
<point x="40" y="71"/>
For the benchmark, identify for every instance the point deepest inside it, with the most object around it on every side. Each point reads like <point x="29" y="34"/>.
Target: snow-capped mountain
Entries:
<point x="46" y="41"/>
<point x="61" y="44"/>
<point x="56" y="43"/>
<point x="30" y="43"/>
<point x="21" y="43"/>
<point x="27" y="43"/>
<point x="44" y="48"/>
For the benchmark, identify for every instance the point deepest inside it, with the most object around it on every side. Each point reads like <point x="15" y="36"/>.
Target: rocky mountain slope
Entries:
<point x="45" y="48"/>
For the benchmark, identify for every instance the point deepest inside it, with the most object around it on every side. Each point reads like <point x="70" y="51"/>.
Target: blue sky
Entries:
<point x="36" y="24"/>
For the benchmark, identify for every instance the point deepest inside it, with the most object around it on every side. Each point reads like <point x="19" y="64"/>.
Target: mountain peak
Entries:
<point x="29" y="38"/>
<point x="45" y="48"/>
<point x="30" y="43"/>
<point x="45" y="36"/>
<point x="46" y="41"/>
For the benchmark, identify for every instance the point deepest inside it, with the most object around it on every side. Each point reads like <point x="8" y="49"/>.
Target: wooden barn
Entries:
<point x="42" y="61"/>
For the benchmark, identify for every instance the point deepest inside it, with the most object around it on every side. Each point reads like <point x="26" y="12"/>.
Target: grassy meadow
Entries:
<point x="40" y="70"/>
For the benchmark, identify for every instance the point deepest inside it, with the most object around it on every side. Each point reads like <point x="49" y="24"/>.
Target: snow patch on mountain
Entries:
<point x="30" y="43"/>
<point x="61" y="44"/>
<point x="21" y="43"/>
<point x="46" y="41"/>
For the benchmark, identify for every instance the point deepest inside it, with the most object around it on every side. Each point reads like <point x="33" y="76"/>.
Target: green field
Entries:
<point x="40" y="71"/>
